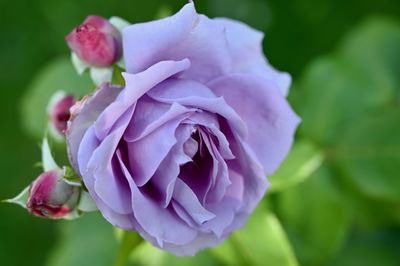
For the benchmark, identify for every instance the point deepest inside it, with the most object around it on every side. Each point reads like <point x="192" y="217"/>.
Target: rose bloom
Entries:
<point x="181" y="153"/>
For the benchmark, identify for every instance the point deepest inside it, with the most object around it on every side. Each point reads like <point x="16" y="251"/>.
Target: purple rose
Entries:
<point x="50" y="197"/>
<point x="181" y="152"/>
<point x="96" y="42"/>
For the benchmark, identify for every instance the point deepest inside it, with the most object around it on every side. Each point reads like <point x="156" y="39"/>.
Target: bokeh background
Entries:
<point x="335" y="201"/>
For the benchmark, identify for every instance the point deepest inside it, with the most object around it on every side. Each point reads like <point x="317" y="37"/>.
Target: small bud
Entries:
<point x="59" y="111"/>
<point x="96" y="42"/>
<point x="51" y="197"/>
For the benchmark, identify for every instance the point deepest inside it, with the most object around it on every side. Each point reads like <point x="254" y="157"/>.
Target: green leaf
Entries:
<point x="369" y="153"/>
<point x="371" y="213"/>
<point x="350" y="106"/>
<point x="57" y="75"/>
<point x="370" y="248"/>
<point x="261" y="242"/>
<point x="302" y="161"/>
<point x="333" y="93"/>
<point x="374" y="46"/>
<point x="315" y="217"/>
<point x="362" y="74"/>
<point x="87" y="241"/>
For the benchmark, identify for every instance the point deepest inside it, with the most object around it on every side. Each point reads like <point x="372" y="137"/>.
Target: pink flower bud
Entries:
<point x="96" y="42"/>
<point x="50" y="197"/>
<point x="59" y="112"/>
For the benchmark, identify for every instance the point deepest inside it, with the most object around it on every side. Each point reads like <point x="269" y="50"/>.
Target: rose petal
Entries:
<point x="183" y="214"/>
<point x="270" y="120"/>
<point x="203" y="240"/>
<point x="184" y="35"/>
<point x="109" y="184"/>
<point x="136" y="86"/>
<point x="254" y="181"/>
<point x="245" y="46"/>
<point x="199" y="174"/>
<point x="220" y="180"/>
<point x="224" y="215"/>
<point x="210" y="123"/>
<point x="165" y="176"/>
<point x="121" y="220"/>
<point x="190" y="203"/>
<point x="154" y="219"/>
<point x="191" y="93"/>
<point x="190" y="147"/>
<point x="147" y="153"/>
<point x="149" y="116"/>
<point x="83" y="114"/>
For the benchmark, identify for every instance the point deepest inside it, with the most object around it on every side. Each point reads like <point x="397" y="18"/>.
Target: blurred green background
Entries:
<point x="335" y="201"/>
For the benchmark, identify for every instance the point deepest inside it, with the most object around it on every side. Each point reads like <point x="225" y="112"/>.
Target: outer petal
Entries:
<point x="245" y="46"/>
<point x="121" y="220"/>
<point x="83" y="115"/>
<point x="253" y="181"/>
<point x="109" y="183"/>
<point x="270" y="120"/>
<point x="184" y="35"/>
<point x="156" y="220"/>
<point x="202" y="241"/>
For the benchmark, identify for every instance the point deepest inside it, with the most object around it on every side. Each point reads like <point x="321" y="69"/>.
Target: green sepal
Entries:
<point x="71" y="177"/>
<point x="48" y="162"/>
<point x="21" y="199"/>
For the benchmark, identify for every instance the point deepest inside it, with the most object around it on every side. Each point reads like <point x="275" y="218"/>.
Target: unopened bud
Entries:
<point x="96" y="42"/>
<point x="59" y="110"/>
<point x="51" y="197"/>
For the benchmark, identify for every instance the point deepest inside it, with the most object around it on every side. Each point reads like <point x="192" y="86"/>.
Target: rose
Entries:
<point x="96" y="42"/>
<point x="51" y="197"/>
<point x="96" y="45"/>
<point x="181" y="152"/>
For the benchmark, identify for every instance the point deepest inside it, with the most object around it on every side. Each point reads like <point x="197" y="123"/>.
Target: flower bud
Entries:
<point x="96" y="42"/>
<point x="51" y="197"/>
<point x="59" y="111"/>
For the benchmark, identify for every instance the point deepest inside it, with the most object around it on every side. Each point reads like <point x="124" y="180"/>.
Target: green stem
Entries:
<point x="129" y="241"/>
<point x="242" y="255"/>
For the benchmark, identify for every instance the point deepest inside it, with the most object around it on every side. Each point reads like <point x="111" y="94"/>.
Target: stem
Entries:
<point x="241" y="252"/>
<point x="129" y="241"/>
